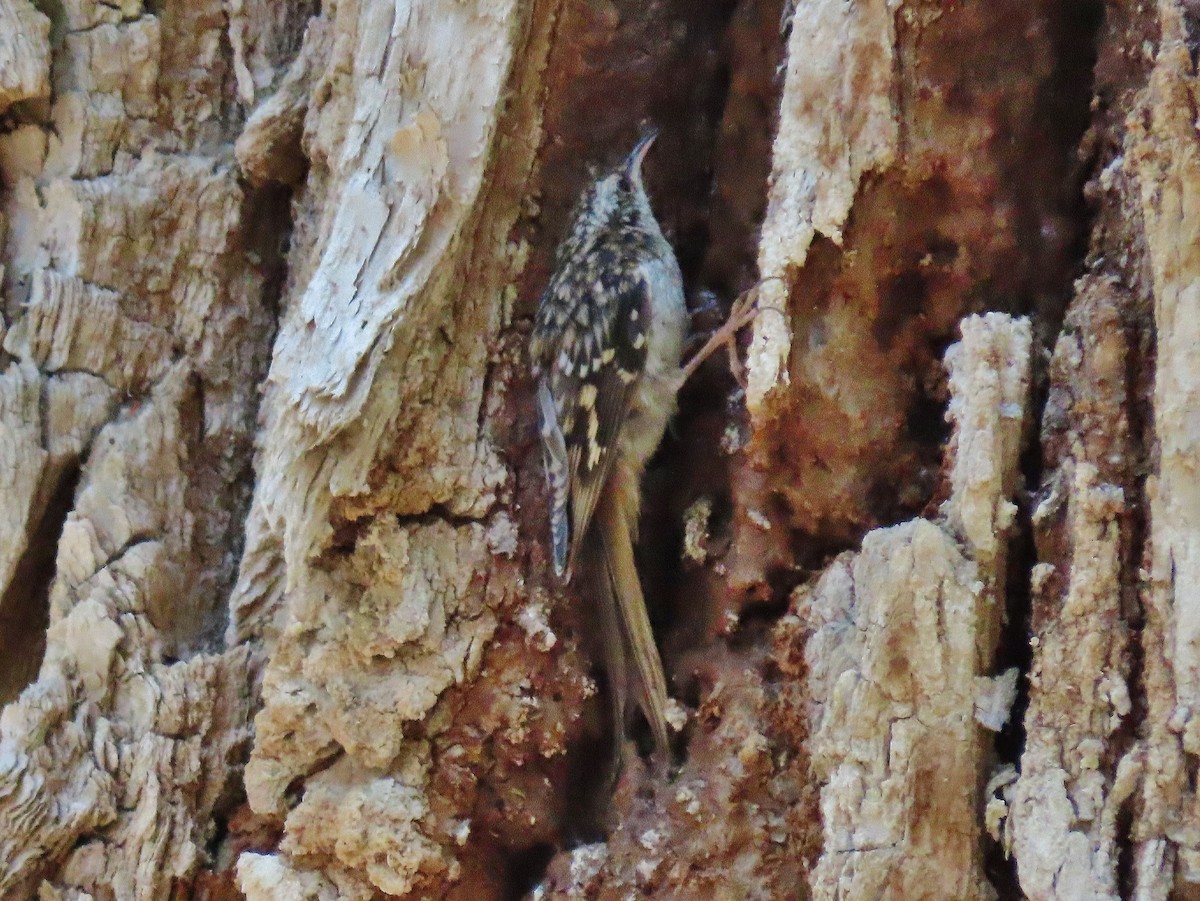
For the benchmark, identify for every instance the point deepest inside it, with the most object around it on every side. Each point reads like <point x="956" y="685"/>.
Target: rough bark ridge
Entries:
<point x="276" y="616"/>
<point x="382" y="563"/>
<point x="136" y="333"/>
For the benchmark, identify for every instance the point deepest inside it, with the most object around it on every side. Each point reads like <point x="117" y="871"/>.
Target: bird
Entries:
<point x="606" y="351"/>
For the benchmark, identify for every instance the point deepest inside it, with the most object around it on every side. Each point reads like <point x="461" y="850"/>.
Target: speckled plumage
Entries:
<point x="607" y="344"/>
<point x="608" y="337"/>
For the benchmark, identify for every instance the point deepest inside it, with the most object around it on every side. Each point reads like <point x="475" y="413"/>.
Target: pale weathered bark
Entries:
<point x="1164" y="151"/>
<point x="276" y="616"/>
<point x="1063" y="821"/>
<point x="137" y="331"/>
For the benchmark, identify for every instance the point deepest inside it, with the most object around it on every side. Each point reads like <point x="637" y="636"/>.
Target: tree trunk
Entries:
<point x="277" y="613"/>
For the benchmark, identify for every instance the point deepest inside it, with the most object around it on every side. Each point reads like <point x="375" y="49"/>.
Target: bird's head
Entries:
<point x="617" y="199"/>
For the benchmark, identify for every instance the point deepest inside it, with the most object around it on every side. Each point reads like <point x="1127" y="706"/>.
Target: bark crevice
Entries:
<point x="25" y="604"/>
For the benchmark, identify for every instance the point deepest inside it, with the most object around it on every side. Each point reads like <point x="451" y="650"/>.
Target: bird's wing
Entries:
<point x="589" y="346"/>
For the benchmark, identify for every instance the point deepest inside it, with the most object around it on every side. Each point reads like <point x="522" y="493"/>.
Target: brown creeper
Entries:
<point x="607" y="347"/>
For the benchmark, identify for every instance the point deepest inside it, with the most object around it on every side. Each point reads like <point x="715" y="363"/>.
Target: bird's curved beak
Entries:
<point x="634" y="162"/>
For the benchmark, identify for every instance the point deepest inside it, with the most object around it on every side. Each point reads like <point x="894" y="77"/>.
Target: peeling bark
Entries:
<point x="1163" y="150"/>
<point x="136" y="331"/>
<point x="901" y="656"/>
<point x="1063" y="821"/>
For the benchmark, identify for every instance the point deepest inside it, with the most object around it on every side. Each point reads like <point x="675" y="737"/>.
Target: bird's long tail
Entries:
<point x="628" y="638"/>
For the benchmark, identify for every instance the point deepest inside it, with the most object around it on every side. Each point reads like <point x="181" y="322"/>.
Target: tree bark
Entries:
<point x="277" y="614"/>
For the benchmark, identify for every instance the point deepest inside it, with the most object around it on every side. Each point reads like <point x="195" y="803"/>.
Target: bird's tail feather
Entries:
<point x="612" y="639"/>
<point x="629" y="637"/>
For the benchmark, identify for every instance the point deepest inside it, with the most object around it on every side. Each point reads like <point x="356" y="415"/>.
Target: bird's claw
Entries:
<point x="741" y="314"/>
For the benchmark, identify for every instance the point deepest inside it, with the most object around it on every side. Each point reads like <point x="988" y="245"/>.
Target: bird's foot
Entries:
<point x="741" y="314"/>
